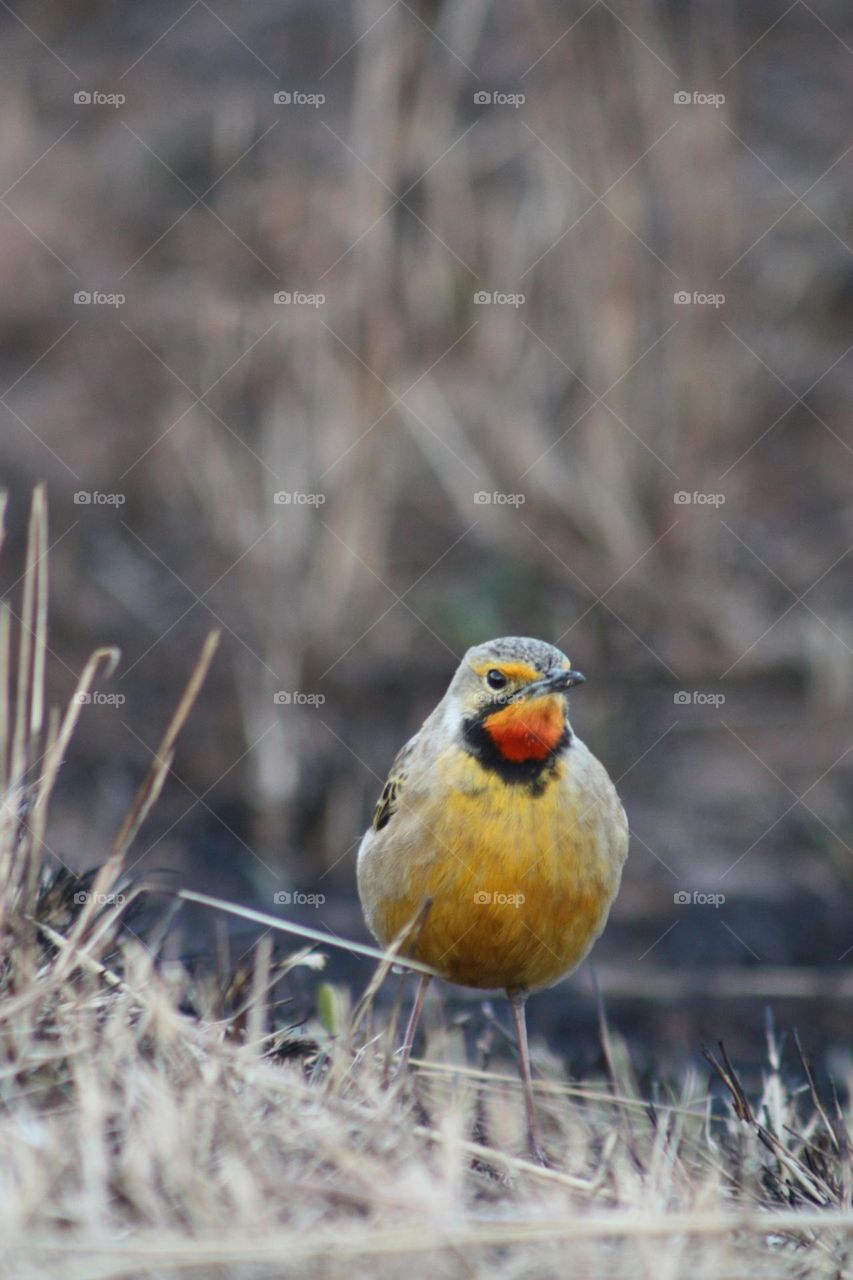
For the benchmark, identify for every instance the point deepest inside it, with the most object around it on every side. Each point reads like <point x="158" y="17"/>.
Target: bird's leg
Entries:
<point x="414" y="1019"/>
<point x="518" y="999"/>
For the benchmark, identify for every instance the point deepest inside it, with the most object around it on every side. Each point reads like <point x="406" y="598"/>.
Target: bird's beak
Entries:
<point x="560" y="682"/>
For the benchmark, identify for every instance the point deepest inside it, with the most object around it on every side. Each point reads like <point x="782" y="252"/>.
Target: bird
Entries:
<point x="497" y="844"/>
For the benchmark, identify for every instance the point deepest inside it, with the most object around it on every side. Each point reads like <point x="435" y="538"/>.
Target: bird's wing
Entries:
<point x="389" y="801"/>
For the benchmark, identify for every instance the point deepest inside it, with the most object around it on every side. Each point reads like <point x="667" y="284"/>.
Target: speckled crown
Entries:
<point x="544" y="657"/>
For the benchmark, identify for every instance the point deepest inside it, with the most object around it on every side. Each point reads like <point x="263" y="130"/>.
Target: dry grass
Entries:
<point x="150" y="1128"/>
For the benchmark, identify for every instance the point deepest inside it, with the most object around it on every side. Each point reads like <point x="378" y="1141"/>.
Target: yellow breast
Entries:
<point x="520" y="883"/>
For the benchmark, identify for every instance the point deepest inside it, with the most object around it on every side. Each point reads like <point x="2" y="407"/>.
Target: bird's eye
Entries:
<point x="496" y="679"/>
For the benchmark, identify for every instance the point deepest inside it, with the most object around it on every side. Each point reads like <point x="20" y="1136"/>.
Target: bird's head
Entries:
<point x="509" y="701"/>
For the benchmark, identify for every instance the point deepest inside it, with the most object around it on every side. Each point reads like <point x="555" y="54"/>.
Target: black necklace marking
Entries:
<point x="532" y="774"/>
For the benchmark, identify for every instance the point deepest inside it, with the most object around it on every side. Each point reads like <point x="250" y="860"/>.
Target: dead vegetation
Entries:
<point x="156" y="1120"/>
<point x="152" y="1124"/>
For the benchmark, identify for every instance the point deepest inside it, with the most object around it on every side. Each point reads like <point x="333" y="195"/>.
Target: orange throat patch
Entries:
<point x="528" y="730"/>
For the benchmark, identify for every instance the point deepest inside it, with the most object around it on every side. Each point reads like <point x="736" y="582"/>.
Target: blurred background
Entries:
<point x="368" y="332"/>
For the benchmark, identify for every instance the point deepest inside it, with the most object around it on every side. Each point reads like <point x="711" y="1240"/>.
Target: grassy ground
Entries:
<point x="155" y="1123"/>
